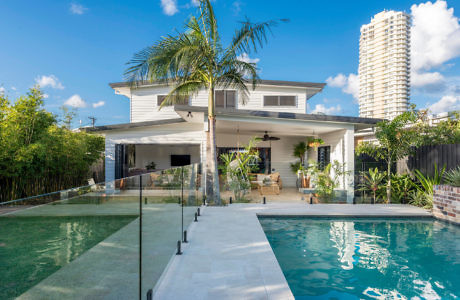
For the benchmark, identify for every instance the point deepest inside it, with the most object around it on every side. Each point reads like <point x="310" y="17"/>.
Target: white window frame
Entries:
<point x="225" y="99"/>
<point x="279" y="101"/>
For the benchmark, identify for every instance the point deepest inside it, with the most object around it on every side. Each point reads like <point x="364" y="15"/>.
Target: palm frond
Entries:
<point x="182" y="91"/>
<point x="251" y="36"/>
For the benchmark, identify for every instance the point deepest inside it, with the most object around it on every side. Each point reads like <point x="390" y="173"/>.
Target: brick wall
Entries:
<point x="446" y="203"/>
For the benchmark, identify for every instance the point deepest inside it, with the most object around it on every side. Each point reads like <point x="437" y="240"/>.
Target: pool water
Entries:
<point x="32" y="248"/>
<point x="367" y="258"/>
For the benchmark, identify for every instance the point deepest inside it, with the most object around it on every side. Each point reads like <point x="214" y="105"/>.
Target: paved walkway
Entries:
<point x="229" y="256"/>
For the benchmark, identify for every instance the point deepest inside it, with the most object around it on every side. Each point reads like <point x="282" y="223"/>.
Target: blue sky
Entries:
<point x="77" y="48"/>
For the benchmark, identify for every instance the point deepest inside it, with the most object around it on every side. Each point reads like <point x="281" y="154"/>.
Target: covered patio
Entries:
<point x="131" y="148"/>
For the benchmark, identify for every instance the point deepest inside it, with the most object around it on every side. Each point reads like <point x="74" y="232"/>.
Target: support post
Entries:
<point x="265" y="200"/>
<point x="140" y="237"/>
<point x="185" y="237"/>
<point x="179" y="252"/>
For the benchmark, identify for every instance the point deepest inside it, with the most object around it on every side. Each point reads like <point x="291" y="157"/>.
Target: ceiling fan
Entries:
<point x="266" y="137"/>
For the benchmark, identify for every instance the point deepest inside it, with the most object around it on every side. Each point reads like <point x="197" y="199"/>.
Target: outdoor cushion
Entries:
<point x="275" y="176"/>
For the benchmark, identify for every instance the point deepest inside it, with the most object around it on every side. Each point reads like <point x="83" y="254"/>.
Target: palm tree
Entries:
<point x="195" y="60"/>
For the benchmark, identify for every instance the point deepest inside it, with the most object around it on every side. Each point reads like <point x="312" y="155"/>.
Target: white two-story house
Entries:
<point x="176" y="135"/>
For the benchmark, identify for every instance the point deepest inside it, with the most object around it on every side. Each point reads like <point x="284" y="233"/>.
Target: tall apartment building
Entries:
<point x="384" y="65"/>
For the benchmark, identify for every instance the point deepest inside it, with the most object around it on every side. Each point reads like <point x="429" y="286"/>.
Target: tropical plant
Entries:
<point x="314" y="142"/>
<point x="452" y="177"/>
<point x="327" y="180"/>
<point x="428" y="182"/>
<point x="374" y="181"/>
<point x="236" y="167"/>
<point x="425" y="186"/>
<point x="420" y="198"/>
<point x="402" y="186"/>
<point x="195" y="60"/>
<point x="395" y="141"/>
<point x="299" y="151"/>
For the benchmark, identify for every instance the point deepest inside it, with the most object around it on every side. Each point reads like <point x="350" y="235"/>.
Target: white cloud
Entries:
<point x="51" y="81"/>
<point x="321" y="109"/>
<point x="98" y="104"/>
<point x="445" y="104"/>
<point x="426" y="78"/>
<point x="75" y="101"/>
<point x="338" y="81"/>
<point x="169" y="7"/>
<point x="2" y="90"/>
<point x="435" y="39"/>
<point x="245" y="57"/>
<point x="195" y="2"/>
<point x="77" y="9"/>
<point x="435" y="35"/>
<point x="349" y="84"/>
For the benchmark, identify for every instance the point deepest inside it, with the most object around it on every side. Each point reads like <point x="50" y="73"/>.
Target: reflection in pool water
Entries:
<point x="367" y="258"/>
<point x="32" y="248"/>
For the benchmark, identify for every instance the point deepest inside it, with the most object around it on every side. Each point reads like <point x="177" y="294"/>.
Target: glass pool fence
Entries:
<point x="108" y="240"/>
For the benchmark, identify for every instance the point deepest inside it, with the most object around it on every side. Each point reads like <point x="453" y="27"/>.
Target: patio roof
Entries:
<point x="280" y="115"/>
<point x="133" y="125"/>
<point x="313" y="85"/>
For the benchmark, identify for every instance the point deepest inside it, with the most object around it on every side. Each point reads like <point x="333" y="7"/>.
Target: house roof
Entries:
<point x="314" y="85"/>
<point x="133" y="125"/>
<point x="240" y="113"/>
<point x="281" y="115"/>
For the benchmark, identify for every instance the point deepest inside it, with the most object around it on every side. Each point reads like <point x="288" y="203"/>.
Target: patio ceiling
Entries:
<point x="255" y="128"/>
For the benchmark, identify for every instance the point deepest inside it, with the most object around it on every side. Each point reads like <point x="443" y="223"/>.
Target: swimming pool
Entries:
<point x="325" y="258"/>
<point x="32" y="248"/>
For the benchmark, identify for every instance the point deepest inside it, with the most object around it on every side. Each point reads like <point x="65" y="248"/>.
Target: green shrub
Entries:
<point x="452" y="177"/>
<point x="401" y="188"/>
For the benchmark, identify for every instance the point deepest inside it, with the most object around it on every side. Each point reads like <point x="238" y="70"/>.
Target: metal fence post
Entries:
<point x="140" y="237"/>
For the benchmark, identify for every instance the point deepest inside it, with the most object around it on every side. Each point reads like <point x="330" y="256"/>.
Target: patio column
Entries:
<point x="349" y="158"/>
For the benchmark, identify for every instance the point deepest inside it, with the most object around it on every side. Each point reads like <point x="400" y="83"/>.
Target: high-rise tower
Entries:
<point x="384" y="65"/>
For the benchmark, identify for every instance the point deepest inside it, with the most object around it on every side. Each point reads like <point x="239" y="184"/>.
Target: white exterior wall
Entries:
<point x="161" y="154"/>
<point x="144" y="101"/>
<point x="184" y="133"/>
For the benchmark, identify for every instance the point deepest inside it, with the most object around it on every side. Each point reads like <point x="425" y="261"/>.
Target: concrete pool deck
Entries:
<point x="229" y="256"/>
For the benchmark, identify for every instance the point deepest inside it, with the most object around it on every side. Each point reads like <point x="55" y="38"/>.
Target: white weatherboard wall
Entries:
<point x="144" y="101"/>
<point x="161" y="154"/>
<point x="183" y="133"/>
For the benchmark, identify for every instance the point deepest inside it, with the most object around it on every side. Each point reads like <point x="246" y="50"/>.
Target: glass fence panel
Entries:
<point x="78" y="243"/>
<point x="193" y="197"/>
<point x="161" y="197"/>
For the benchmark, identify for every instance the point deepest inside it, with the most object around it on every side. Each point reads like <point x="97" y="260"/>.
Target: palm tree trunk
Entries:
<point x="212" y="176"/>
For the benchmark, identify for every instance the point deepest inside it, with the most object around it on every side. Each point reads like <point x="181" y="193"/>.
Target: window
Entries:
<point x="225" y="99"/>
<point x="280" y="100"/>
<point x="324" y="156"/>
<point x="161" y="98"/>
